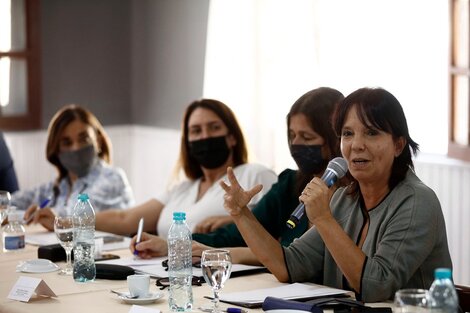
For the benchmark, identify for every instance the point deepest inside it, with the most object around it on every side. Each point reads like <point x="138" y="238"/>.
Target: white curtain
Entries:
<point x="262" y="55"/>
<point x="259" y="63"/>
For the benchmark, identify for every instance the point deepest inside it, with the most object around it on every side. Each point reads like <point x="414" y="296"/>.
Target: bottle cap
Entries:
<point x="442" y="273"/>
<point x="83" y="197"/>
<point x="179" y="216"/>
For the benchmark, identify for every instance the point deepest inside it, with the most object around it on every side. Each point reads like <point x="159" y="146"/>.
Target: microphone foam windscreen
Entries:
<point x="338" y="165"/>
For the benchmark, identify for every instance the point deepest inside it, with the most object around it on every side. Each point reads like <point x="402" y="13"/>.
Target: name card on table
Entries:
<point x="25" y="287"/>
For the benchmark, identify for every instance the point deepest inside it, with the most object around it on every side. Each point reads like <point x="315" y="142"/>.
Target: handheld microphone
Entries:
<point x="335" y="170"/>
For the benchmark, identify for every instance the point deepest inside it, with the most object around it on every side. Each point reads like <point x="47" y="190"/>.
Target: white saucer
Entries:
<point x="150" y="298"/>
<point x="37" y="266"/>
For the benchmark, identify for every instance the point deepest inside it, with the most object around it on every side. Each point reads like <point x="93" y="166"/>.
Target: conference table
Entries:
<point x="96" y="296"/>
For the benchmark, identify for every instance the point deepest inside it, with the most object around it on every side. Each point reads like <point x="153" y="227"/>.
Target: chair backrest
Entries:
<point x="464" y="297"/>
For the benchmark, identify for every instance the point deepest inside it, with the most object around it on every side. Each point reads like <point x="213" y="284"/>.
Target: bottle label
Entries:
<point x="13" y="242"/>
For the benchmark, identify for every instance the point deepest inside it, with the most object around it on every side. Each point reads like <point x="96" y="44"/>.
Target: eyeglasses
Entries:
<point x="196" y="262"/>
<point x="165" y="282"/>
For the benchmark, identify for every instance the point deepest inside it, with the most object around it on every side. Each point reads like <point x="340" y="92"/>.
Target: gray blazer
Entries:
<point x="406" y="241"/>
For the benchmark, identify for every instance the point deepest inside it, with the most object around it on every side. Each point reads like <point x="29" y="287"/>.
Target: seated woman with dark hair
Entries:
<point x="312" y="142"/>
<point x="383" y="232"/>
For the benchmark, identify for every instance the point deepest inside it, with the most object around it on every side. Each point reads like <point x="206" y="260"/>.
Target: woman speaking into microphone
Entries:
<point x="383" y="232"/>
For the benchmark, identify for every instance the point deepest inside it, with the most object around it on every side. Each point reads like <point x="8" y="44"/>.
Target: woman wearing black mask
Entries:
<point x="211" y="141"/>
<point x="312" y="142"/>
<point x="80" y="150"/>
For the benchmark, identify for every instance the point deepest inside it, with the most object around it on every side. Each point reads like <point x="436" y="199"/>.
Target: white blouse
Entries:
<point x="182" y="198"/>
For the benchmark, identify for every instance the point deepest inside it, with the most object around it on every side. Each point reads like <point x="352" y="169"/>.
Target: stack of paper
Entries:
<point x="254" y="298"/>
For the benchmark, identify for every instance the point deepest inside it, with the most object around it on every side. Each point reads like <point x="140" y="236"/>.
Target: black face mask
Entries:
<point x="211" y="152"/>
<point x="308" y="158"/>
<point x="79" y="161"/>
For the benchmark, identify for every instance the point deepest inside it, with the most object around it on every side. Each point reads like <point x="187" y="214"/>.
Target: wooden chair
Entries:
<point x="464" y="297"/>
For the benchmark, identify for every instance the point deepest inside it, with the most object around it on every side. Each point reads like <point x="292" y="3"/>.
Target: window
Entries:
<point x="459" y="141"/>
<point x="20" y="100"/>
<point x="285" y="48"/>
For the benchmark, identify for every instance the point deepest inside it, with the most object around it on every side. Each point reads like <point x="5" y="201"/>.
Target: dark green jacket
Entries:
<point x="272" y="211"/>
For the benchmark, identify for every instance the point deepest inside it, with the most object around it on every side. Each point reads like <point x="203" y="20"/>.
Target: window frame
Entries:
<point x="456" y="150"/>
<point x="32" y="118"/>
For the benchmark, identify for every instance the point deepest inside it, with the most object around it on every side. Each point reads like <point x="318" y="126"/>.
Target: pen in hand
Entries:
<point x="139" y="234"/>
<point x="43" y="204"/>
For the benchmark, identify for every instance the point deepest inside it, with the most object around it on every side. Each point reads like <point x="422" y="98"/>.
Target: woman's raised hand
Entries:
<point x="236" y="198"/>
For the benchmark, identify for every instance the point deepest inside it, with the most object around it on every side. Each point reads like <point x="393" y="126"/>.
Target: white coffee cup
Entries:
<point x="138" y="285"/>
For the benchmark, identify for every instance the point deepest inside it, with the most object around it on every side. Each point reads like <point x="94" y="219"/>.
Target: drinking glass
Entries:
<point x="412" y="301"/>
<point x="63" y="229"/>
<point x="216" y="267"/>
<point x="5" y="199"/>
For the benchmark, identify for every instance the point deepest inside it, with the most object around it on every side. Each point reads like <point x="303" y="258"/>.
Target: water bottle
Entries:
<point x="180" y="269"/>
<point x="14" y="232"/>
<point x="443" y="295"/>
<point x="83" y="221"/>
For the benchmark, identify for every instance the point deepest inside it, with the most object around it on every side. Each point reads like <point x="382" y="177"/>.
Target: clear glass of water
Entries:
<point x="5" y="199"/>
<point x="216" y="267"/>
<point x="412" y="301"/>
<point x="63" y="229"/>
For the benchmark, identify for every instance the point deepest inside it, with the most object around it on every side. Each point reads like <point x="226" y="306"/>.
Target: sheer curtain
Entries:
<point x="259" y="63"/>
<point x="264" y="54"/>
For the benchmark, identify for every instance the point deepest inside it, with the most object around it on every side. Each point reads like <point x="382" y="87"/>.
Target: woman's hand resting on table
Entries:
<point x="44" y="216"/>
<point x="211" y="223"/>
<point x="236" y="198"/>
<point x="149" y="246"/>
<point x="198" y="248"/>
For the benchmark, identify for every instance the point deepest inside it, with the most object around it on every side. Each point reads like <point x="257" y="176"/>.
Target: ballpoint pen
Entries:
<point x="43" y="204"/>
<point x="139" y="234"/>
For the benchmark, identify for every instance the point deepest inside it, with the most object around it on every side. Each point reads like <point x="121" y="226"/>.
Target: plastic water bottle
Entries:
<point x="14" y="233"/>
<point x="83" y="240"/>
<point x="180" y="269"/>
<point x="443" y="295"/>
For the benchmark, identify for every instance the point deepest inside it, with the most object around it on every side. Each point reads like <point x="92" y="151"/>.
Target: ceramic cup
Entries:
<point x="138" y="285"/>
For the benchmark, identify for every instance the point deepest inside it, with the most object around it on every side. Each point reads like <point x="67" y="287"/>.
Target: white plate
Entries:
<point x="37" y="266"/>
<point x="150" y="298"/>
